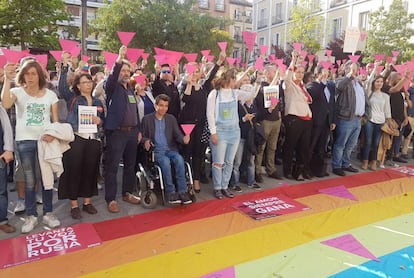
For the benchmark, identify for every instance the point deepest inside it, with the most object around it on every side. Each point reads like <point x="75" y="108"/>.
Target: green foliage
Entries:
<point x="31" y="23"/>
<point x="390" y="30"/>
<point x="305" y="26"/>
<point x="166" y="24"/>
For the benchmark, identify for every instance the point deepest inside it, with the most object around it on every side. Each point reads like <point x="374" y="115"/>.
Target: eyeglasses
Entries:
<point x="166" y="71"/>
<point x="86" y="82"/>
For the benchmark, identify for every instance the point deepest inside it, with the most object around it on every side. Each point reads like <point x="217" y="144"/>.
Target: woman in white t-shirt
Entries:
<point x="36" y="106"/>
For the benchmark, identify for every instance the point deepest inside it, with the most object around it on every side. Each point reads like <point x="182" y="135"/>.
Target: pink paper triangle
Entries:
<point x="363" y="71"/>
<point x="125" y="37"/>
<point x="395" y="53"/>
<point x="274" y="101"/>
<point x="223" y="46"/>
<point x="190" y="68"/>
<point x="279" y="62"/>
<point x="68" y="45"/>
<point x="238" y="60"/>
<point x="325" y="64"/>
<point x="140" y="79"/>
<point x="297" y="46"/>
<point x="338" y="62"/>
<point x="388" y="59"/>
<point x="42" y="59"/>
<point x="272" y="57"/>
<point x="379" y="57"/>
<point x="349" y="243"/>
<point x="304" y="63"/>
<point x="379" y="69"/>
<point x="328" y="52"/>
<point x="85" y="58"/>
<point x="145" y="55"/>
<point x="191" y="57"/>
<point x="57" y="54"/>
<point x="161" y="59"/>
<point x="205" y="53"/>
<point x="187" y="128"/>
<point x="110" y="58"/>
<point x="3" y="61"/>
<point x="75" y="51"/>
<point x="263" y="49"/>
<point x="333" y="70"/>
<point x="311" y="57"/>
<point x="303" y="53"/>
<point x="259" y="64"/>
<point x="339" y="191"/>
<point x="230" y="60"/>
<point x="343" y="61"/>
<point x="210" y="58"/>
<point x="13" y="56"/>
<point x="133" y="54"/>
<point x="354" y="58"/>
<point x="249" y="38"/>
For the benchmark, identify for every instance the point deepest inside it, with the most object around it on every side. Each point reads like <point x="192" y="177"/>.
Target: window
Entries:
<point x="261" y="41"/>
<point x="220" y="5"/>
<point x="337" y="27"/>
<point x="237" y="15"/>
<point x="316" y="5"/>
<point x="277" y="39"/>
<point x="203" y="4"/>
<point x="73" y="10"/>
<point x="363" y="21"/>
<point x="337" y="2"/>
<point x="278" y="14"/>
<point x="262" y="20"/>
<point x="238" y="34"/>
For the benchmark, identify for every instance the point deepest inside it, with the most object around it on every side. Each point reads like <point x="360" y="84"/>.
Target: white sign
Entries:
<point x="85" y="119"/>
<point x="269" y="93"/>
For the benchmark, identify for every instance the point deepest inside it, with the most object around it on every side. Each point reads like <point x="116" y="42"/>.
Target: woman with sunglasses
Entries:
<point x="81" y="161"/>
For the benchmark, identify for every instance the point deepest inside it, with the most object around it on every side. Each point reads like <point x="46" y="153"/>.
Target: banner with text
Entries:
<point x="46" y="244"/>
<point x="270" y="207"/>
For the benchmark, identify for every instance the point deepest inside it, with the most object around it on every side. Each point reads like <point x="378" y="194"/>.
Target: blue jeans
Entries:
<point x="223" y="157"/>
<point x="28" y="156"/>
<point x="4" y="202"/>
<point x="372" y="137"/>
<point x="165" y="160"/>
<point x="396" y="143"/>
<point x="347" y="133"/>
<point x="241" y="152"/>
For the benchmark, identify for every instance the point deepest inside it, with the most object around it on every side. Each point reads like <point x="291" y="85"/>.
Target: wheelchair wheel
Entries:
<point x="148" y="199"/>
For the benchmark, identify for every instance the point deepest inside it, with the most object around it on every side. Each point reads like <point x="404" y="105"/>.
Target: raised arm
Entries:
<point x="8" y="99"/>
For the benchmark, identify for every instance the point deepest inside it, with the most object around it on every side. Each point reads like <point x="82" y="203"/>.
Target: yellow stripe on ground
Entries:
<point x="316" y="260"/>
<point x="267" y="237"/>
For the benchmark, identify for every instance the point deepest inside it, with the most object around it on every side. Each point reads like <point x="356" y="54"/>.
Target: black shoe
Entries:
<point x="259" y="178"/>
<point x="404" y="156"/>
<point x="339" y="172"/>
<point x="236" y="188"/>
<point x="173" y="198"/>
<point x="289" y="176"/>
<point x="300" y="178"/>
<point x="275" y="176"/>
<point x="218" y="194"/>
<point x="399" y="159"/>
<point x="227" y="193"/>
<point x="76" y="213"/>
<point x="185" y="198"/>
<point x="350" y="169"/>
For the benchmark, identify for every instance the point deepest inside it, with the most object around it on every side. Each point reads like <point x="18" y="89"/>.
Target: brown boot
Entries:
<point x="373" y="165"/>
<point x="364" y="165"/>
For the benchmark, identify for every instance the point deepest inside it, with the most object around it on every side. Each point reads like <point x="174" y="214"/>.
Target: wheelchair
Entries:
<point x="150" y="180"/>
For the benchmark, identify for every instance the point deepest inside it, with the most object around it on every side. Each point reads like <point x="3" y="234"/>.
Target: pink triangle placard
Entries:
<point x="395" y="53"/>
<point x="297" y="46"/>
<point x="339" y="191"/>
<point x="206" y="52"/>
<point x="75" y="51"/>
<point x="249" y="38"/>
<point x="68" y="45"/>
<point x="133" y="54"/>
<point x="187" y="128"/>
<point x="12" y="56"/>
<point x="140" y="79"/>
<point x="379" y="57"/>
<point x="85" y="58"/>
<point x="311" y="57"/>
<point x="3" y="61"/>
<point x="223" y="46"/>
<point x="349" y="243"/>
<point x="191" y="57"/>
<point x="263" y="49"/>
<point x="354" y="58"/>
<point x="145" y="56"/>
<point x="57" y="54"/>
<point x="110" y="58"/>
<point x="190" y="68"/>
<point x="231" y="60"/>
<point x="125" y="37"/>
<point x="42" y="59"/>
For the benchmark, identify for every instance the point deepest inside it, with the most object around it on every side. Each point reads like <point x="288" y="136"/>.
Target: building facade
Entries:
<point x="272" y="18"/>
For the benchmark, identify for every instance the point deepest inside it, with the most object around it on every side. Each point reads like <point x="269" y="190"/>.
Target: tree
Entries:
<point x="168" y="24"/>
<point x="305" y="25"/>
<point x="31" y="23"/>
<point x="390" y="30"/>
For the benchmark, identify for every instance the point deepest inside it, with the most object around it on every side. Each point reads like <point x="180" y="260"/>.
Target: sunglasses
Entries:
<point x="166" y="71"/>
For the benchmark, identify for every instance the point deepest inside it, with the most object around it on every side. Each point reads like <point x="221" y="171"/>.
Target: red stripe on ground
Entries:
<point x="125" y="226"/>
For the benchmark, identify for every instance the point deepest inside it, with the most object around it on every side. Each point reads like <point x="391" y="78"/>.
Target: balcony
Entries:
<point x="335" y="3"/>
<point x="277" y="19"/>
<point x="220" y="7"/>
<point x="262" y="23"/>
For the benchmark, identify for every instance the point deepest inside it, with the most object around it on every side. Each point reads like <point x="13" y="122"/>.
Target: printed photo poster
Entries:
<point x="354" y="40"/>
<point x="85" y="116"/>
<point x="269" y="93"/>
<point x="270" y="207"/>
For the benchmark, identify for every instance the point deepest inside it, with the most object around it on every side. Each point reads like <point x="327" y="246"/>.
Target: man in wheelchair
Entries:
<point x="161" y="131"/>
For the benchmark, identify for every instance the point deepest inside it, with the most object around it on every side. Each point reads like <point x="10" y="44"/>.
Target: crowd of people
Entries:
<point x="304" y="115"/>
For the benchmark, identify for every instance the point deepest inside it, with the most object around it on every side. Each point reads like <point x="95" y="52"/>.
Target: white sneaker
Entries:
<point x="29" y="223"/>
<point x="20" y="207"/>
<point x="51" y="220"/>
